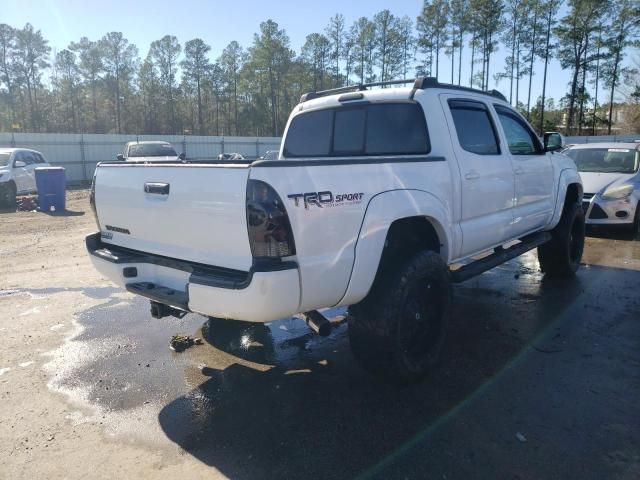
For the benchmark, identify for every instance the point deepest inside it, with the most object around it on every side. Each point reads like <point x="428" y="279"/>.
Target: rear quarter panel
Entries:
<point x="326" y="236"/>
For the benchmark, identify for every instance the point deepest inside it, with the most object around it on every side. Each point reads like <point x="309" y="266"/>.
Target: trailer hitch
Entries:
<point x="160" y="310"/>
<point x="318" y="322"/>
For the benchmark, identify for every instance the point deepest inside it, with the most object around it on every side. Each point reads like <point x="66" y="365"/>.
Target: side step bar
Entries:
<point x="499" y="256"/>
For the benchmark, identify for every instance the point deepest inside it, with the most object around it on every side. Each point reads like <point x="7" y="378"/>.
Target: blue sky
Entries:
<point x="219" y="22"/>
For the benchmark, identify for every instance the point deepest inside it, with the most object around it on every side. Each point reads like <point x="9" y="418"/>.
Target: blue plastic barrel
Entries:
<point x="51" y="184"/>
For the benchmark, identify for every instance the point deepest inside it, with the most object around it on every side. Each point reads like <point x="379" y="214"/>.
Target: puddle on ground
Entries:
<point x="117" y="368"/>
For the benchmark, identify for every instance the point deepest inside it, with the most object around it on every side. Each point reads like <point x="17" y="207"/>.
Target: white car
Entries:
<point x="230" y="156"/>
<point x="611" y="180"/>
<point x="17" y="173"/>
<point x="376" y="197"/>
<point x="149" y="150"/>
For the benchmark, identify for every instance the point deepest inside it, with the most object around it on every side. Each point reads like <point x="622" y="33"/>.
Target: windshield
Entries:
<point x="4" y="159"/>
<point x="605" y="160"/>
<point x="152" y="150"/>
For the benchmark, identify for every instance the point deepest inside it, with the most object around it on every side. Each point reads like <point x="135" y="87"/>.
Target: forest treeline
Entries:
<point x="108" y="85"/>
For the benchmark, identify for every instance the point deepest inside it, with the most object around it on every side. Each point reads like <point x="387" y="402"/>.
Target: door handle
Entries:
<point x="518" y="170"/>
<point x="156" y="188"/>
<point x="472" y="175"/>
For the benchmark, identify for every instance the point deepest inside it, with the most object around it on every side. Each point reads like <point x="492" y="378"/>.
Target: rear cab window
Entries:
<point x="374" y="129"/>
<point x="151" y="150"/>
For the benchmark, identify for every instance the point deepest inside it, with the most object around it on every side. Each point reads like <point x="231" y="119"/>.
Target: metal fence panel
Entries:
<point x="603" y="138"/>
<point x="79" y="153"/>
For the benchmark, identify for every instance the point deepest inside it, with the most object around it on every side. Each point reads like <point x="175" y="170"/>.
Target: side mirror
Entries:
<point x="553" y="142"/>
<point x="120" y="157"/>
<point x="182" y="156"/>
<point x="19" y="164"/>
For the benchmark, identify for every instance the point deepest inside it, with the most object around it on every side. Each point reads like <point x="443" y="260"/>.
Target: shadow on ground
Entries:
<point x="8" y="210"/>
<point x="317" y="414"/>
<point x="60" y="213"/>
<point x="612" y="232"/>
<point x="65" y="213"/>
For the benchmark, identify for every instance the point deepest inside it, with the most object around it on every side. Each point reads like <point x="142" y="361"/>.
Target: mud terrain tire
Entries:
<point x="560" y="257"/>
<point x="397" y="331"/>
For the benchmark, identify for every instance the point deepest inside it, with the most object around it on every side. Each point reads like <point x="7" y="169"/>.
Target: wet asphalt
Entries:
<point x="539" y="379"/>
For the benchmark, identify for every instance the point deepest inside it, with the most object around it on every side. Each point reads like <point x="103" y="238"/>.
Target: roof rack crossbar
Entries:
<point x="350" y="88"/>
<point x="422" y="83"/>
<point x="419" y="83"/>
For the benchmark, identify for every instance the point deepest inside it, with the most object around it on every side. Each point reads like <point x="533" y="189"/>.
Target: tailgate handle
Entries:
<point x="157" y="188"/>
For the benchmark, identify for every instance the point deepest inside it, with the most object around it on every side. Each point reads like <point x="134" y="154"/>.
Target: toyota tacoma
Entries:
<point x="379" y="200"/>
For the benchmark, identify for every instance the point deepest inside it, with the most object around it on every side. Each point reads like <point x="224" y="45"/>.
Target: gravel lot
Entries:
<point x="539" y="380"/>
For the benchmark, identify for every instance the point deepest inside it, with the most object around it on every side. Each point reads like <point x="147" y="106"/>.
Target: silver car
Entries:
<point x="611" y="182"/>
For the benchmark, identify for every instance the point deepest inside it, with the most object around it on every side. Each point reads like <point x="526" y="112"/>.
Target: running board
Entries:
<point x="499" y="256"/>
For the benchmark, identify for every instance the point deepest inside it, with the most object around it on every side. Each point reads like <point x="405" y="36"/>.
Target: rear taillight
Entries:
<point x="270" y="232"/>
<point x="92" y="198"/>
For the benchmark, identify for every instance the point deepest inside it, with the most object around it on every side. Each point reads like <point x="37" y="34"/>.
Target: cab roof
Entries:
<point x="16" y="149"/>
<point x="147" y="142"/>
<point x="335" y="96"/>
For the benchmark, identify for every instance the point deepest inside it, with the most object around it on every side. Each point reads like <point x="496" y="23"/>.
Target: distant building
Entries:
<point x="621" y="120"/>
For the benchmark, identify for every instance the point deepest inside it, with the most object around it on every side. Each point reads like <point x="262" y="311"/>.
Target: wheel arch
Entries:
<point x="396" y="223"/>
<point x="569" y="190"/>
<point x="573" y="193"/>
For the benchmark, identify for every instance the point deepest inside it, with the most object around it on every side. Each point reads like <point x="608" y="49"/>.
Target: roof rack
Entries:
<point x="420" y="83"/>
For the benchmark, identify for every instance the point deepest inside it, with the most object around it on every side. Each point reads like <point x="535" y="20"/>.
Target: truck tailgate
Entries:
<point x="193" y="212"/>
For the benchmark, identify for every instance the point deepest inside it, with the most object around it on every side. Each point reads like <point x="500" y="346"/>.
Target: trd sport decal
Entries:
<point x="325" y="199"/>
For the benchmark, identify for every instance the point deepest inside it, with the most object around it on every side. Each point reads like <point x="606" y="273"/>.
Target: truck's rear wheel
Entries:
<point x="399" y="328"/>
<point x="560" y="257"/>
<point x="8" y="195"/>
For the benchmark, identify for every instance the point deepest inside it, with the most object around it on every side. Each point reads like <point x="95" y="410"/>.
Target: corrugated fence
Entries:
<point x="79" y="153"/>
<point x="603" y="138"/>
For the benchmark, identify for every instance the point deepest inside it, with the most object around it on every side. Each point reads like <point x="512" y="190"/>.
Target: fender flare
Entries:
<point x="568" y="176"/>
<point x="383" y="209"/>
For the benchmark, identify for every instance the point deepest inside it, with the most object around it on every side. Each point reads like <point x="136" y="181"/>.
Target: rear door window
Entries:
<point x="359" y="130"/>
<point x="474" y="127"/>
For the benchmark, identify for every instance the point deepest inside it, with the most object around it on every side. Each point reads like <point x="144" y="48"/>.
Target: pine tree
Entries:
<point x="623" y="33"/>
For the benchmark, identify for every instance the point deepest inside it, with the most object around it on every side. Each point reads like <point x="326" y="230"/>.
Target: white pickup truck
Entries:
<point x="375" y="195"/>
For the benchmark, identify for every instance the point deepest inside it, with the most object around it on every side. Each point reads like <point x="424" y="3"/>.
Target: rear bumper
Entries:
<point x="267" y="292"/>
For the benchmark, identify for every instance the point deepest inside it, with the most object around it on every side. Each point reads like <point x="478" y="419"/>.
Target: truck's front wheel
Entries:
<point x="399" y="328"/>
<point x="560" y="257"/>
